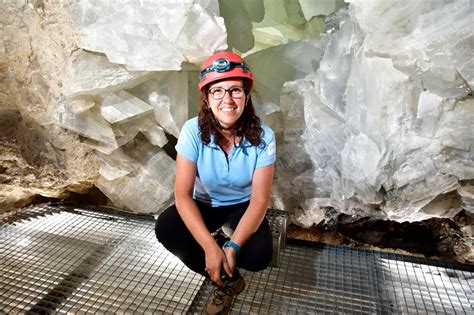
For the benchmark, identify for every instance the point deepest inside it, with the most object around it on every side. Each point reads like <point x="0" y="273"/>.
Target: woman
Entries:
<point x="224" y="172"/>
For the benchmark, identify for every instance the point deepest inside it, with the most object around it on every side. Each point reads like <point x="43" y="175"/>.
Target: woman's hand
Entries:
<point x="215" y="259"/>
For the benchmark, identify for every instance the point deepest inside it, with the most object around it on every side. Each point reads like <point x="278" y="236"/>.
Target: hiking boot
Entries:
<point x="221" y="299"/>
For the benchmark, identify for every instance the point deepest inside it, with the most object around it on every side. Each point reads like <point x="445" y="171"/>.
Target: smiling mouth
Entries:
<point x="227" y="110"/>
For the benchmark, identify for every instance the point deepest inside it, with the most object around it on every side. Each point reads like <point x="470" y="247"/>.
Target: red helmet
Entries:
<point x="223" y="65"/>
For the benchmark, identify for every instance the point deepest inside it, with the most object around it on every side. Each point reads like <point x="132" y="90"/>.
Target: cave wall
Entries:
<point x="371" y="102"/>
<point x="38" y="157"/>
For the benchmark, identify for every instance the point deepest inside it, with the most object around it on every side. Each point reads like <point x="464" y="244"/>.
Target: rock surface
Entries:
<point x="37" y="157"/>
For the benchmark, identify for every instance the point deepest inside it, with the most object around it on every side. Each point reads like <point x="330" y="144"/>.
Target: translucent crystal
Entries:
<point x="78" y="106"/>
<point x="147" y="125"/>
<point x="325" y="132"/>
<point x="314" y="27"/>
<point x="294" y="183"/>
<point x="335" y="65"/>
<point x="89" y="73"/>
<point x="367" y="136"/>
<point x="457" y="138"/>
<point x="465" y="65"/>
<point x="154" y="134"/>
<point x="122" y="106"/>
<point x="87" y="123"/>
<point x="167" y="93"/>
<point x="375" y="104"/>
<point x="148" y="188"/>
<point x="266" y="37"/>
<point x="274" y="66"/>
<point x="150" y="35"/>
<point x="429" y="39"/>
<point x="111" y="172"/>
<point x="361" y="159"/>
<point x="139" y="192"/>
<point x="115" y="165"/>
<point x="428" y="113"/>
<point x="100" y="147"/>
<point x="307" y="219"/>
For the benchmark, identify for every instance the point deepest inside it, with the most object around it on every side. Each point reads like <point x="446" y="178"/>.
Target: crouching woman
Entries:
<point x="224" y="173"/>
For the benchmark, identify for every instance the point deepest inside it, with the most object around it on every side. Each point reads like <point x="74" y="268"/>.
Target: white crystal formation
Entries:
<point x="388" y="115"/>
<point x="87" y="123"/>
<point x="274" y="66"/>
<point x="146" y="189"/>
<point x="122" y="106"/>
<point x="149" y="35"/>
<point x="88" y="73"/>
<point x="167" y="93"/>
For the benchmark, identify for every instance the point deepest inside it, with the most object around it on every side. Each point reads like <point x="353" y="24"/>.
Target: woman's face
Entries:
<point x="230" y="107"/>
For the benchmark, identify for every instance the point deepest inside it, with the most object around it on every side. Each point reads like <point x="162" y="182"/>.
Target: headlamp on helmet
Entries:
<point x="223" y="65"/>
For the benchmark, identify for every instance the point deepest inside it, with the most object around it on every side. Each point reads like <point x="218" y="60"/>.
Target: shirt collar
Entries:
<point x="213" y="144"/>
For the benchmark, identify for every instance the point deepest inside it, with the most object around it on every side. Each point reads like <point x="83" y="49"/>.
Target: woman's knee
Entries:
<point x="260" y="261"/>
<point x="257" y="253"/>
<point x="166" y="224"/>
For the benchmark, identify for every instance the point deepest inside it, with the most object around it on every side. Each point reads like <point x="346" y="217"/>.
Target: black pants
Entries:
<point x="171" y="231"/>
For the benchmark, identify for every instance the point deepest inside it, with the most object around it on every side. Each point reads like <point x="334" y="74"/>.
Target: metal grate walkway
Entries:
<point x="62" y="259"/>
<point x="76" y="260"/>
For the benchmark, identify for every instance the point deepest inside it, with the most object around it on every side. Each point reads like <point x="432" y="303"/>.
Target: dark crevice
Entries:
<point x="439" y="238"/>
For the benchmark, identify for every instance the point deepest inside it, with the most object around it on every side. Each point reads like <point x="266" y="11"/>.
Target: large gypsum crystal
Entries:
<point x="167" y="93"/>
<point x="147" y="177"/>
<point x="127" y="138"/>
<point x="149" y="35"/>
<point x="430" y="40"/>
<point x="122" y="106"/>
<point x="80" y="117"/>
<point x="389" y="133"/>
<point x="87" y="73"/>
<point x="306" y="172"/>
<point x="110" y="118"/>
<point x="274" y="66"/>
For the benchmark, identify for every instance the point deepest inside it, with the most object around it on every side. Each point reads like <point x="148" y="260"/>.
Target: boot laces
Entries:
<point x="221" y="294"/>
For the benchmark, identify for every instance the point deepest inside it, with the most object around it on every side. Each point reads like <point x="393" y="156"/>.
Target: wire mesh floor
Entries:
<point x="63" y="259"/>
<point x="80" y="261"/>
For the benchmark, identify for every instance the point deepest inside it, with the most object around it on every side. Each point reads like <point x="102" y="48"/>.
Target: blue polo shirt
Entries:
<point x="221" y="180"/>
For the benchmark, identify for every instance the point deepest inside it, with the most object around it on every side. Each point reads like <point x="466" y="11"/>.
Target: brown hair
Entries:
<point x="247" y="126"/>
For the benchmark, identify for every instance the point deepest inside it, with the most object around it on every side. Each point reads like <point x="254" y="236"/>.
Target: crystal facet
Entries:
<point x="151" y="36"/>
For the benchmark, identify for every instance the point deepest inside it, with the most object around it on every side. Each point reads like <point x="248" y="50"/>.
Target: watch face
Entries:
<point x="221" y="65"/>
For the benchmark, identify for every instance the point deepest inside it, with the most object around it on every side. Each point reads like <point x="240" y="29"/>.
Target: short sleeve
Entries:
<point x="188" y="140"/>
<point x="267" y="150"/>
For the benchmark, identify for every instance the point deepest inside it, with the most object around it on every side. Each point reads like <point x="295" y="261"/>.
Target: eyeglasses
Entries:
<point x="218" y="93"/>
